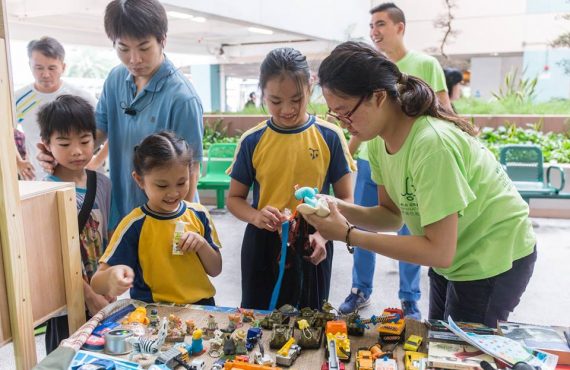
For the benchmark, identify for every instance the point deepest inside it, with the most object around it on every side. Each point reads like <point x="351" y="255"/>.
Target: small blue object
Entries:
<point x="284" y="241"/>
<point x="110" y="322"/>
<point x="308" y="195"/>
<point x="101" y="329"/>
<point x="116" y="316"/>
<point x="197" y="346"/>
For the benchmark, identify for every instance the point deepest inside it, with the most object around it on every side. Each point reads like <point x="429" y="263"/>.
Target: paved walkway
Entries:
<point x="547" y="299"/>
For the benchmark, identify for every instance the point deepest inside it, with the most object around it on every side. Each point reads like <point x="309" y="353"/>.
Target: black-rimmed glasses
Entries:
<point x="346" y="117"/>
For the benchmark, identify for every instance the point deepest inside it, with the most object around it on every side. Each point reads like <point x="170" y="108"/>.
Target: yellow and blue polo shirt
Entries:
<point x="274" y="160"/>
<point x="143" y="241"/>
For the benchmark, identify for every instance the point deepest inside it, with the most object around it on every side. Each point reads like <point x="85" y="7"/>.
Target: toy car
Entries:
<point x="386" y="364"/>
<point x="413" y="360"/>
<point x="392" y="331"/>
<point x="364" y="360"/>
<point x="253" y="335"/>
<point x="289" y="358"/>
<point x="197" y="364"/>
<point x="332" y="363"/>
<point x="337" y="330"/>
<point x="413" y="343"/>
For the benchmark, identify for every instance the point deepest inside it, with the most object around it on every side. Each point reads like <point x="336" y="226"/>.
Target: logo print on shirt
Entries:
<point x="410" y="193"/>
<point x="314" y="153"/>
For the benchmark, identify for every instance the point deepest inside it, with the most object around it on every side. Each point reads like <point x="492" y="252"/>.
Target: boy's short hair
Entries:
<point x="65" y="114"/>
<point x="135" y="18"/>
<point x="394" y="13"/>
<point x="48" y="46"/>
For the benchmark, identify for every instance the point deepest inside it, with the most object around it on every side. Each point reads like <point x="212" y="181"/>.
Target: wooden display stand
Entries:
<point x="40" y="261"/>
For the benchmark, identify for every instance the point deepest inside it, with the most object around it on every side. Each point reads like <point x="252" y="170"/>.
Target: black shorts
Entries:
<point x="483" y="301"/>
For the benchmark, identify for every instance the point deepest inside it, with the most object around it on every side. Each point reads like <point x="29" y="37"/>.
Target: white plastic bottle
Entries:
<point x="178" y="231"/>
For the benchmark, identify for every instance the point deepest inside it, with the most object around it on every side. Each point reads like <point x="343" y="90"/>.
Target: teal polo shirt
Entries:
<point x="167" y="102"/>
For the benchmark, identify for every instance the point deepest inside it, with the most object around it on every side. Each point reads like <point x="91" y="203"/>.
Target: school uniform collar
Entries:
<point x="165" y="216"/>
<point x="295" y="130"/>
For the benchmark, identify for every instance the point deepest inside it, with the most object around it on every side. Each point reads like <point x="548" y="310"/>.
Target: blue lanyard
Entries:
<point x="284" y="241"/>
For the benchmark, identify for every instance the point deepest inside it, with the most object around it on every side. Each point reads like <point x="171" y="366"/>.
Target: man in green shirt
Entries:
<point x="387" y="28"/>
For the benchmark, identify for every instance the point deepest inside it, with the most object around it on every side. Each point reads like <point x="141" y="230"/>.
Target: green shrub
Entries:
<point x="216" y="132"/>
<point x="511" y="106"/>
<point x="555" y="146"/>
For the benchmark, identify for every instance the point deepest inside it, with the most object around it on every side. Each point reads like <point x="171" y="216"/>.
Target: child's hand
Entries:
<point x="268" y="218"/>
<point x="120" y="279"/>
<point x="191" y="242"/>
<point x="318" y="243"/>
<point x="94" y="302"/>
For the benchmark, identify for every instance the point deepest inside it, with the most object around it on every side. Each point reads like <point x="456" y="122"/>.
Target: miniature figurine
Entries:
<point x="229" y="345"/>
<point x="211" y="327"/>
<point x="234" y="322"/>
<point x="175" y="332"/>
<point x="197" y="345"/>
<point x="311" y="204"/>
<point x="247" y="315"/>
<point x="149" y="344"/>
<point x="216" y="345"/>
<point x="154" y="320"/>
<point x="190" y="327"/>
<point x="138" y="315"/>
<point x="239" y="339"/>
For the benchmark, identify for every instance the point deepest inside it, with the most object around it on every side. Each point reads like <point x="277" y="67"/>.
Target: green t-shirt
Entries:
<point x="419" y="65"/>
<point x="441" y="170"/>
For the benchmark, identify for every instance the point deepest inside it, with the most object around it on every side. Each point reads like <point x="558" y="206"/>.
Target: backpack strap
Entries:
<point x="89" y="199"/>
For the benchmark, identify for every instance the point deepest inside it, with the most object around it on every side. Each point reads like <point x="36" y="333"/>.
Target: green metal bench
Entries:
<point x="220" y="157"/>
<point x="525" y="166"/>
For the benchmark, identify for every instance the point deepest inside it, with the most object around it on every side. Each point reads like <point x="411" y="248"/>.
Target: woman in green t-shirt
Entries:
<point x="467" y="221"/>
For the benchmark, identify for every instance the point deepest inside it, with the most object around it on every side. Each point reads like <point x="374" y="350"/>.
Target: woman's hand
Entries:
<point x="191" y="242"/>
<point x="268" y="218"/>
<point x="25" y="169"/>
<point x="47" y="161"/>
<point x="318" y="243"/>
<point x="120" y="279"/>
<point x="332" y="227"/>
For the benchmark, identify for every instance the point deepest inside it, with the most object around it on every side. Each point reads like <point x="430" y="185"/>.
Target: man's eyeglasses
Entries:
<point x="346" y="117"/>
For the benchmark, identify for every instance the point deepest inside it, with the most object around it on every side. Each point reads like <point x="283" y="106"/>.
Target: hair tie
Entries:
<point x="403" y="79"/>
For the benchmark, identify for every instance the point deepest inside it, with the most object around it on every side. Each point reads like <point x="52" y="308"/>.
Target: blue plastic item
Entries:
<point x="284" y="241"/>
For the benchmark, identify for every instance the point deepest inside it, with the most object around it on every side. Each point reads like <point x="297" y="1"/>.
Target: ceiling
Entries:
<point x="80" y="22"/>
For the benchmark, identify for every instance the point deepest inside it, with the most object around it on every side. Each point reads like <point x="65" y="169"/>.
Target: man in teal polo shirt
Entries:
<point x="143" y="95"/>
